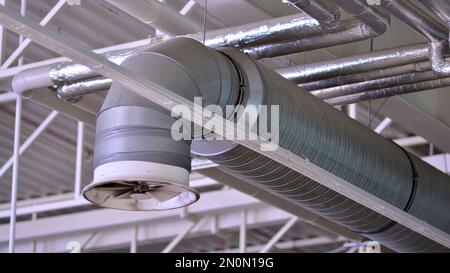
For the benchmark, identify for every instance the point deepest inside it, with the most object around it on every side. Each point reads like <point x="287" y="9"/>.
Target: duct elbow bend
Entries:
<point x="31" y="79"/>
<point x="138" y="164"/>
<point x="438" y="63"/>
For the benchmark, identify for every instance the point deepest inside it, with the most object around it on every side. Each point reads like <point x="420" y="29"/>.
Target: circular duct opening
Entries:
<point x="139" y="185"/>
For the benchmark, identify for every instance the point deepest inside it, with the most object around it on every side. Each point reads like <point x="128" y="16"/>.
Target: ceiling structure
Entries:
<point x="47" y="173"/>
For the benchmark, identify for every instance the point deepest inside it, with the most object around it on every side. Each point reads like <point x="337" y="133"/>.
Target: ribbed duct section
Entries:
<point x="314" y="130"/>
<point x="309" y="128"/>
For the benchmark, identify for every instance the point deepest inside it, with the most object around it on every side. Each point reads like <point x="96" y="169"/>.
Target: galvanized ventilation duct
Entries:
<point x="126" y="131"/>
<point x="137" y="163"/>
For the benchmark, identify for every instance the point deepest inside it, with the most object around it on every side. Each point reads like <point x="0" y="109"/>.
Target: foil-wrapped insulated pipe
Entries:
<point x="349" y="89"/>
<point x="325" y="12"/>
<point x="390" y="91"/>
<point x="356" y="64"/>
<point x="439" y="7"/>
<point x="347" y="32"/>
<point x="366" y="76"/>
<point x="372" y="16"/>
<point x="74" y="91"/>
<point x="436" y="32"/>
<point x="327" y="71"/>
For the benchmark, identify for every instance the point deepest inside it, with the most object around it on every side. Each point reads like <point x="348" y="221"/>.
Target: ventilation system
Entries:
<point x="139" y="166"/>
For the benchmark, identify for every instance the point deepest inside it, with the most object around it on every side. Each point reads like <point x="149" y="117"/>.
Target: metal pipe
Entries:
<point x="272" y="30"/>
<point x="324" y="12"/>
<point x="243" y="233"/>
<point x="134" y="240"/>
<point x="7" y="97"/>
<point x="384" y="124"/>
<point x="409" y="13"/>
<point x="438" y="63"/>
<point x="371" y="16"/>
<point x="368" y="62"/>
<point x="432" y="29"/>
<point x="366" y="76"/>
<point x="300" y="33"/>
<point x="172" y="244"/>
<point x="158" y="15"/>
<point x="349" y="31"/>
<point x="356" y="64"/>
<point x="390" y="91"/>
<point x="348" y="89"/>
<point x="15" y="174"/>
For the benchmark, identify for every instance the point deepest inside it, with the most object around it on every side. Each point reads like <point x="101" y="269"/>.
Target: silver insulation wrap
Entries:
<point x="323" y="11"/>
<point x="69" y="72"/>
<point x="377" y="20"/>
<point x="390" y="91"/>
<point x="348" y="89"/>
<point x="74" y="91"/>
<point x="339" y="69"/>
<point x="356" y="64"/>
<point x="349" y="31"/>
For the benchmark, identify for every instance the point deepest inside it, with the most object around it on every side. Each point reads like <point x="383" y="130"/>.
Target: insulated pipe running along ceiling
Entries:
<point x="308" y="127"/>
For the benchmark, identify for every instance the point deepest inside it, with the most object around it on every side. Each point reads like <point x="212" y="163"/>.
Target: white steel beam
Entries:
<point x="24" y="45"/>
<point x="15" y="174"/>
<point x="280" y="233"/>
<point x="385" y="123"/>
<point x="7" y="97"/>
<point x="2" y="38"/>
<point x="410" y="141"/>
<point x="168" y="100"/>
<point x="171" y="246"/>
<point x="79" y="159"/>
<point x="116" y="227"/>
<point x="10" y="72"/>
<point x="36" y="133"/>
<point x="243" y="233"/>
<point x="134" y="240"/>
<point x="352" y="111"/>
<point x="187" y="7"/>
<point x="66" y="204"/>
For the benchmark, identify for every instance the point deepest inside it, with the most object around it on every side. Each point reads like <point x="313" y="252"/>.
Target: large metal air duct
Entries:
<point x="137" y="163"/>
<point x="130" y="129"/>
